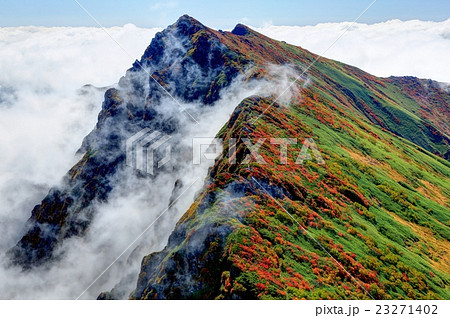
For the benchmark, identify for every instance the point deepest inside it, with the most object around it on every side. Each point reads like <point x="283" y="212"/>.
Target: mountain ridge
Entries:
<point x="376" y="124"/>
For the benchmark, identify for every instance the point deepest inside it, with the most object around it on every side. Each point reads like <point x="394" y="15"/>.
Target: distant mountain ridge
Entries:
<point x="384" y="186"/>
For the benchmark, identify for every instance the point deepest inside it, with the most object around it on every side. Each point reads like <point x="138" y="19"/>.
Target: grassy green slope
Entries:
<point x="400" y="236"/>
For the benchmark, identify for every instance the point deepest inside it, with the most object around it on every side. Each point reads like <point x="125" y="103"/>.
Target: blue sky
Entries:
<point x="218" y="14"/>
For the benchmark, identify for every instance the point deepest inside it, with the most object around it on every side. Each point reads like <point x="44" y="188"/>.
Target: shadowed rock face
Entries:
<point x="192" y="65"/>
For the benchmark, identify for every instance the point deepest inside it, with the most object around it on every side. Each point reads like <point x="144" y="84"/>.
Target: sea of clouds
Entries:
<point x="44" y="115"/>
<point x="399" y="48"/>
<point x="45" y="112"/>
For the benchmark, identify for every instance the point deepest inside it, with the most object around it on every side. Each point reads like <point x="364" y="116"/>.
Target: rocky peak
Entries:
<point x="187" y="25"/>
<point x="241" y="29"/>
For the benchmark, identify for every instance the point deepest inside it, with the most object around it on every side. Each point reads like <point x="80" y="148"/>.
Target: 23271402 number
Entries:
<point x="406" y="309"/>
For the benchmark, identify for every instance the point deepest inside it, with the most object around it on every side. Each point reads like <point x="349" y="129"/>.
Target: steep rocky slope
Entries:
<point x="176" y="58"/>
<point x="379" y="207"/>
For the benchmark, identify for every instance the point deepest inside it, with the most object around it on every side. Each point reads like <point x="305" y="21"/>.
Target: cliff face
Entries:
<point x="378" y="206"/>
<point x="186" y="61"/>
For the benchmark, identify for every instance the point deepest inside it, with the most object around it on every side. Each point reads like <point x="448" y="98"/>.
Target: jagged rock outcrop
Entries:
<point x="186" y="60"/>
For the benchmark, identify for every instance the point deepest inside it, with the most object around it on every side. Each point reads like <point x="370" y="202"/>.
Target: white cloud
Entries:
<point x="416" y="48"/>
<point x="43" y="116"/>
<point x="41" y="72"/>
